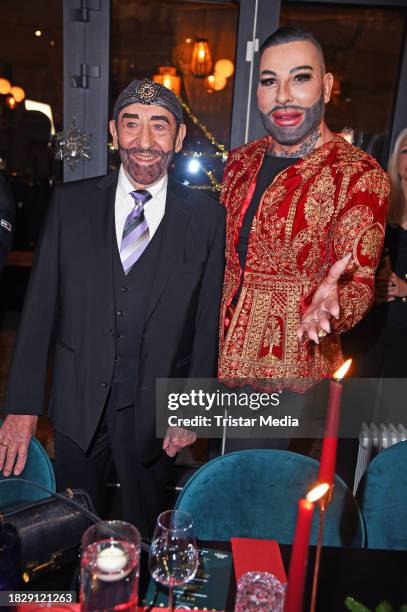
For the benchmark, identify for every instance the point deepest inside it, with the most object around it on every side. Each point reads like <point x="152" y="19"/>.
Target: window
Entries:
<point x="362" y="49"/>
<point x="161" y="36"/>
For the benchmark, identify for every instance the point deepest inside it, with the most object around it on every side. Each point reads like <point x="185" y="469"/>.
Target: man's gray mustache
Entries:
<point x="285" y="108"/>
<point x="143" y="152"/>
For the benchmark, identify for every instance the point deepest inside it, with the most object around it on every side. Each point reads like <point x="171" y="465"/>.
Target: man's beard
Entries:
<point x="289" y="136"/>
<point x="145" y="174"/>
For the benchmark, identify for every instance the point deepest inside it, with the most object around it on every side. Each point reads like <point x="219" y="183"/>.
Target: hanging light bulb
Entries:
<point x="168" y="77"/>
<point x="209" y="81"/>
<point x="219" y="83"/>
<point x="18" y="93"/>
<point x="11" y="103"/>
<point x="224" y="67"/>
<point x="215" y="82"/>
<point x="201" y="60"/>
<point x="5" y="86"/>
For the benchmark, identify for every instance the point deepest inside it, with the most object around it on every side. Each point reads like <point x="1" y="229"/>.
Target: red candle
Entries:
<point x="330" y="443"/>
<point x="299" y="558"/>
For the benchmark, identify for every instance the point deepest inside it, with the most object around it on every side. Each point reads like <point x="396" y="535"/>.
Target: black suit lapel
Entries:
<point x="101" y="219"/>
<point x="177" y="216"/>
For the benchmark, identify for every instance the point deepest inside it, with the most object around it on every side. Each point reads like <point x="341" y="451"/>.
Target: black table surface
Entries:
<point x="370" y="576"/>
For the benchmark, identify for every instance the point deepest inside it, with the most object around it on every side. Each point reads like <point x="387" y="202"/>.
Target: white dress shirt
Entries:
<point x="154" y="209"/>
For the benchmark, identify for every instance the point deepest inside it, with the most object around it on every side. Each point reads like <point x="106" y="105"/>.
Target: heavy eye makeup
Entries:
<point x="302" y="77"/>
<point x="268" y="81"/>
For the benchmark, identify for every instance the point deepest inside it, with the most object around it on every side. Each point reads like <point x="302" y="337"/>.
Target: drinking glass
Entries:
<point x="173" y="558"/>
<point x="110" y="567"/>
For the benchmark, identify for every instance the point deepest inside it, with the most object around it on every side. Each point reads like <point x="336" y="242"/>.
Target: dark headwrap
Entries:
<point x="148" y="92"/>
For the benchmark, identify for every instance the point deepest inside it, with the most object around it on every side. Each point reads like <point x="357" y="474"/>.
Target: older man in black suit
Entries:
<point x="125" y="287"/>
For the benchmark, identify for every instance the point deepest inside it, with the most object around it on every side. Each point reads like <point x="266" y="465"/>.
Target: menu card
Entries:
<point x="251" y="555"/>
<point x="208" y="590"/>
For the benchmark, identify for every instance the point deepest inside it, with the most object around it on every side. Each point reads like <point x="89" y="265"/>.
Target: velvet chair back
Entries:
<point x="255" y="493"/>
<point x="38" y="468"/>
<point x="382" y="494"/>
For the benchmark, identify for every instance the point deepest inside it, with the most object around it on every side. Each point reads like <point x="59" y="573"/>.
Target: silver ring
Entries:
<point x="4" y="443"/>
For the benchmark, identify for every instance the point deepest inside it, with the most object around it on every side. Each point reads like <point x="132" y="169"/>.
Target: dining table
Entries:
<point x="369" y="576"/>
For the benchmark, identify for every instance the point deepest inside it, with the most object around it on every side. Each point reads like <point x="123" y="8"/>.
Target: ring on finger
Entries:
<point x="4" y="443"/>
<point x="322" y="333"/>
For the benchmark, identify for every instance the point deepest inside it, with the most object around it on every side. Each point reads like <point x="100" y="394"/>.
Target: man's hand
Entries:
<point x="325" y="303"/>
<point x="386" y="290"/>
<point x="176" y="439"/>
<point x="15" y="436"/>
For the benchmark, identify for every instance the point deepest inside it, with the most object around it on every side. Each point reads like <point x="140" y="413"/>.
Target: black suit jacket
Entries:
<point x="71" y="294"/>
<point x="7" y="219"/>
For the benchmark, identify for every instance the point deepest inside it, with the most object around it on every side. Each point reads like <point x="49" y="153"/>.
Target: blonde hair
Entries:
<point x="397" y="202"/>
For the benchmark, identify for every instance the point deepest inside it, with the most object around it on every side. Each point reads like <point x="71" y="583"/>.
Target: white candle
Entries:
<point x="112" y="560"/>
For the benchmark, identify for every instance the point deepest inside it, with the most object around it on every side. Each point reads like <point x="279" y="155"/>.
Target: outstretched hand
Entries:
<point x="315" y="323"/>
<point x="15" y="436"/>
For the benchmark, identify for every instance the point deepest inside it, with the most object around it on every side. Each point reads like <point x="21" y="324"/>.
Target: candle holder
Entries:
<point x="110" y="562"/>
<point x="259" y="592"/>
<point x="327" y="465"/>
<point x="299" y="554"/>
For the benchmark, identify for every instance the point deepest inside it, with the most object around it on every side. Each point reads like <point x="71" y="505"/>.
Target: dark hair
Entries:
<point x="288" y="34"/>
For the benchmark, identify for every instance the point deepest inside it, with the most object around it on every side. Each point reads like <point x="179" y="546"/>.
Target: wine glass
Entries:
<point x="173" y="558"/>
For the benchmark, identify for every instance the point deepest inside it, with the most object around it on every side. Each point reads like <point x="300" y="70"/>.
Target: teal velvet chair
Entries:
<point x="382" y="494"/>
<point x="255" y="493"/>
<point x="38" y="468"/>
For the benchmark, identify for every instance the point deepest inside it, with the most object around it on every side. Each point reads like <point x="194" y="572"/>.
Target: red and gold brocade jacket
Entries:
<point x="326" y="205"/>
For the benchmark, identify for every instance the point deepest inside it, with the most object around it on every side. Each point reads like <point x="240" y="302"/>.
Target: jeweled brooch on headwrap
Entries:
<point x="148" y="92"/>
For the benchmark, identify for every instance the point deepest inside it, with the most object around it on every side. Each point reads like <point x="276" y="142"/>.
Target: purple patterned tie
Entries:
<point x="135" y="233"/>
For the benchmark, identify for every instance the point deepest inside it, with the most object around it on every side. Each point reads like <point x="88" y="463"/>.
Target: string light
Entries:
<point x="207" y="133"/>
<point x="217" y="154"/>
<point x="221" y="152"/>
<point x="216" y="186"/>
<point x="202" y="187"/>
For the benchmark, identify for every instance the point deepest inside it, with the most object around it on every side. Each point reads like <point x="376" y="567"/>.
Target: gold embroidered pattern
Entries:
<point x="272" y="337"/>
<point x="371" y="243"/>
<point x="374" y="181"/>
<point x="319" y="205"/>
<point x="355" y="300"/>
<point x="347" y="172"/>
<point x="310" y="217"/>
<point x="349" y="226"/>
<point x="371" y="246"/>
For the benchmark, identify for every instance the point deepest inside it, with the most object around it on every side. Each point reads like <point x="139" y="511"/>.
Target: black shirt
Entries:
<point x="395" y="245"/>
<point x="269" y="169"/>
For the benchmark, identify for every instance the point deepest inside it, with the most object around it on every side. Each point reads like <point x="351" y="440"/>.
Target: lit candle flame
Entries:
<point x="318" y="492"/>
<point x="342" y="370"/>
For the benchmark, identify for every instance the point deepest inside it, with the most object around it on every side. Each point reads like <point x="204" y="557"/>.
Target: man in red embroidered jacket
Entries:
<point x="305" y="225"/>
